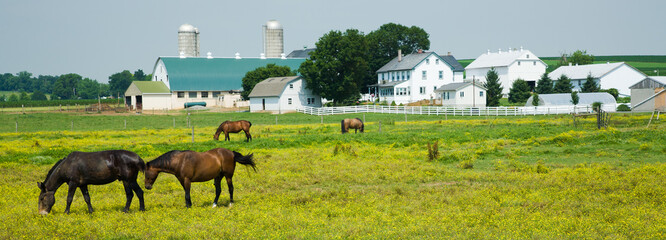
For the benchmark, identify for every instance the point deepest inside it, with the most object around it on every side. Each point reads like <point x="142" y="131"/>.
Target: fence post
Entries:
<point x="276" y="123"/>
<point x="23" y="108"/>
<point x="72" y="126"/>
<point x="364" y="117"/>
<point x="125" y="123"/>
<point x="380" y="126"/>
<point x="174" y="122"/>
<point x="322" y="119"/>
<point x="16" y="125"/>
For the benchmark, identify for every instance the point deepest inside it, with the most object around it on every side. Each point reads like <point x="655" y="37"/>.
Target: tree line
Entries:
<point x="66" y="86"/>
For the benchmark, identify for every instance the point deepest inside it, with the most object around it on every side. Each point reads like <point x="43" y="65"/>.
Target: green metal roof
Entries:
<point x="216" y="74"/>
<point x="151" y="87"/>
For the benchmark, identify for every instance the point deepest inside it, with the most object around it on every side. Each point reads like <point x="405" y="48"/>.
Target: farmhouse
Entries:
<point x="649" y="94"/>
<point x="510" y="65"/>
<point x="462" y="94"/>
<point x="415" y="77"/>
<point x="282" y="94"/>
<point x="607" y="75"/>
<point x="209" y="80"/>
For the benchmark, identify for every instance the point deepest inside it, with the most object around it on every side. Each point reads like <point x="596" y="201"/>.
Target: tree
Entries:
<point x="88" y="89"/>
<point x="23" y="96"/>
<point x="544" y="85"/>
<point x="575" y="98"/>
<point x="519" y="91"/>
<point x="384" y="43"/>
<point x="65" y="86"/>
<point x="494" y="88"/>
<point x="140" y="76"/>
<point x="24" y="82"/>
<point x="563" y="85"/>
<point x="590" y="85"/>
<point x="535" y="99"/>
<point x="612" y="91"/>
<point x="119" y="82"/>
<point x="261" y="73"/>
<point x="338" y="68"/>
<point x="13" y="98"/>
<point x="38" y="96"/>
<point x="3" y="98"/>
<point x="581" y="57"/>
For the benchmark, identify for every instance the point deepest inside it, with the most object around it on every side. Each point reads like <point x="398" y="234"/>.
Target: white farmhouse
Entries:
<point x="607" y="75"/>
<point x="415" y="77"/>
<point x="510" y="65"/>
<point x="462" y="94"/>
<point x="282" y="94"/>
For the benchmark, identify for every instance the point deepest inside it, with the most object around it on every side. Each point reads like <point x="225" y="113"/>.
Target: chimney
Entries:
<point x="521" y="48"/>
<point x="569" y="63"/>
<point x="262" y="55"/>
<point x="509" y="49"/>
<point x="576" y="64"/>
<point x="420" y="50"/>
<point x="182" y="54"/>
<point x="399" y="55"/>
<point x="499" y="51"/>
<point x="283" y="56"/>
<point x="448" y="54"/>
<point x="210" y="55"/>
<point x="488" y="51"/>
<point x="238" y="56"/>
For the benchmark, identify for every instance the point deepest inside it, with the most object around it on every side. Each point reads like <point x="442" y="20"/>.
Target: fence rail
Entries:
<point x="453" y="111"/>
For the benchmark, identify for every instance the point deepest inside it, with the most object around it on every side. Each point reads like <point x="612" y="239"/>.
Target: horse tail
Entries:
<point x="245" y="160"/>
<point x="249" y="123"/>
<point x="362" y="124"/>
<point x="142" y="165"/>
<point x="342" y="126"/>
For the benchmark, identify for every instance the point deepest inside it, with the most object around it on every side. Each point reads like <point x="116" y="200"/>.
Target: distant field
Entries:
<point x="646" y="64"/>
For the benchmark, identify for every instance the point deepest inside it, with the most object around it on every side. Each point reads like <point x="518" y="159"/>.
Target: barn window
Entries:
<point x="204" y="94"/>
<point x="534" y="63"/>
<point x="180" y="94"/>
<point x="289" y="101"/>
<point x="436" y="61"/>
<point x="441" y="74"/>
<point x="291" y="86"/>
<point x="427" y="61"/>
<point x="518" y="63"/>
<point x="422" y="90"/>
<point x="424" y="75"/>
<point x="215" y="94"/>
<point x="462" y="94"/>
<point x="481" y="94"/>
<point x="193" y="94"/>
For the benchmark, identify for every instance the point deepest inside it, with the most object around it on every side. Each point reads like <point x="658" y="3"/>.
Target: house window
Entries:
<point x="180" y="94"/>
<point x="422" y="90"/>
<point x="480" y="93"/>
<point x="534" y="63"/>
<point x="193" y="94"/>
<point x="427" y="61"/>
<point x="383" y="76"/>
<point x="204" y="94"/>
<point x="392" y="76"/>
<point x="436" y="61"/>
<point x="289" y="101"/>
<point x="291" y="86"/>
<point x="215" y="94"/>
<point x="462" y="94"/>
<point x="528" y="56"/>
<point x="403" y="75"/>
<point x="408" y="75"/>
<point x="518" y="63"/>
<point x="441" y="74"/>
<point x="424" y="75"/>
<point x="308" y="101"/>
<point x="434" y="88"/>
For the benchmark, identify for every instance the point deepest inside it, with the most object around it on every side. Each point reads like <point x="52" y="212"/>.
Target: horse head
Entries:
<point x="46" y="199"/>
<point x="151" y="175"/>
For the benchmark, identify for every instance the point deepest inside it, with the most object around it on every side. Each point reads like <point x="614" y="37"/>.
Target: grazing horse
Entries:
<point x="190" y="166"/>
<point x="233" y="127"/>
<point x="79" y="169"/>
<point x="354" y="123"/>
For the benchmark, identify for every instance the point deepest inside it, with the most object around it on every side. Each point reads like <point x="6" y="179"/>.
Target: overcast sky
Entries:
<point x="98" y="38"/>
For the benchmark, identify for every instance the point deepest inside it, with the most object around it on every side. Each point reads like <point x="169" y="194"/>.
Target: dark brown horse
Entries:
<point x="354" y="123"/>
<point x="233" y="127"/>
<point x="190" y="166"/>
<point x="79" y="169"/>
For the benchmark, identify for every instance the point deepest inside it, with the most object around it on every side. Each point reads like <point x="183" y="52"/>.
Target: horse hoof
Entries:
<point x="231" y="204"/>
<point x="214" y="205"/>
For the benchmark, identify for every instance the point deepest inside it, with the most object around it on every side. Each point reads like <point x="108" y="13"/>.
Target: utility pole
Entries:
<point x="473" y="92"/>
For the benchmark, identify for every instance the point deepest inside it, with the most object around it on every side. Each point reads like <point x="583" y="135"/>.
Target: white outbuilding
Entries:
<point x="462" y="94"/>
<point x="607" y="75"/>
<point x="282" y="94"/>
<point x="147" y="95"/>
<point x="649" y="94"/>
<point x="510" y="65"/>
<point x="585" y="100"/>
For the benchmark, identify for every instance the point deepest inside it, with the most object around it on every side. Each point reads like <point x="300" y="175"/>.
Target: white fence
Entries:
<point x="454" y="111"/>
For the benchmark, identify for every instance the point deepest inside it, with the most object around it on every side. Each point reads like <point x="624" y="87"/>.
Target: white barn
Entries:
<point x="607" y="75"/>
<point x="510" y="65"/>
<point x="649" y="94"/>
<point x="282" y="94"/>
<point x="415" y="77"/>
<point x="148" y="95"/>
<point x="462" y="94"/>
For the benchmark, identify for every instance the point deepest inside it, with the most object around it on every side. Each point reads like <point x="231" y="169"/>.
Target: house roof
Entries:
<point x="305" y="53"/>
<point x="410" y="61"/>
<point x="388" y="84"/>
<point x="457" y="86"/>
<point x="151" y="87"/>
<point x="215" y="74"/>
<point x="581" y="71"/>
<point x="502" y="59"/>
<point x="651" y="82"/>
<point x="271" y="87"/>
<point x="565" y="99"/>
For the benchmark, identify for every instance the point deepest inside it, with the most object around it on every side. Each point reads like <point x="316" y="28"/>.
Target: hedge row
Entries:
<point x="48" y="103"/>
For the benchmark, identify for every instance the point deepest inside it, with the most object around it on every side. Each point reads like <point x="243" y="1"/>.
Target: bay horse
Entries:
<point x="189" y="166"/>
<point x="354" y="123"/>
<point x="233" y="127"/>
<point x="80" y="169"/>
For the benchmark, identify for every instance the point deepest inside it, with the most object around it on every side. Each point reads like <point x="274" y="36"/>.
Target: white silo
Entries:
<point x="273" y="41"/>
<point x="188" y="41"/>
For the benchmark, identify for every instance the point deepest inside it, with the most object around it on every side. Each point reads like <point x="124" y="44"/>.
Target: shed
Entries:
<point x="564" y="99"/>
<point x="649" y="94"/>
<point x="462" y="94"/>
<point x="146" y="95"/>
<point x="282" y="94"/>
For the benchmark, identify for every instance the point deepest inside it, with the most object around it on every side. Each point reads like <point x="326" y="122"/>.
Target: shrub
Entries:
<point x="433" y="151"/>
<point x="393" y="103"/>
<point x="466" y="164"/>
<point x="596" y="106"/>
<point x="623" y="108"/>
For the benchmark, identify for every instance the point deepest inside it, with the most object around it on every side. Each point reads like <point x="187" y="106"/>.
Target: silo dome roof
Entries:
<point x="186" y="28"/>
<point x="273" y="24"/>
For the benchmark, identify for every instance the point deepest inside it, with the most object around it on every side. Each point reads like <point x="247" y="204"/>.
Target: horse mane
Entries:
<point x="164" y="161"/>
<point x="53" y="169"/>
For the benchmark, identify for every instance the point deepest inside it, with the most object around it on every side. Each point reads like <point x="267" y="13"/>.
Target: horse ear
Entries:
<point x="40" y="185"/>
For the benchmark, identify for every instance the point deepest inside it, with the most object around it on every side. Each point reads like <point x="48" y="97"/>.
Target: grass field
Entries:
<point x="507" y="177"/>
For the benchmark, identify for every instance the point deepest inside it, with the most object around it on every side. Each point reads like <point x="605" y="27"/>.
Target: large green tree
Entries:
<point x="384" y="43"/>
<point x="89" y="89"/>
<point x="65" y="86"/>
<point x="544" y="85"/>
<point x="38" y="96"/>
<point x="494" y="88"/>
<point x="119" y="82"/>
<point x="581" y="57"/>
<point x="519" y="91"/>
<point x="338" y="68"/>
<point x="590" y="85"/>
<point x="259" y="74"/>
<point x="140" y="76"/>
<point x="563" y="85"/>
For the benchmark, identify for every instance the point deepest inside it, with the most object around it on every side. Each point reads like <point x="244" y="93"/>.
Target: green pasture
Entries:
<point x="533" y="177"/>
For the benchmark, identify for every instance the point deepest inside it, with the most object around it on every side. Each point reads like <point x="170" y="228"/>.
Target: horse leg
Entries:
<point x="230" y="184"/>
<point x="86" y="197"/>
<point x="128" y="196"/>
<point x="70" y="195"/>
<point x="248" y="137"/>
<point x="226" y="137"/>
<point x="218" y="189"/>
<point x="186" y="186"/>
<point x="139" y="193"/>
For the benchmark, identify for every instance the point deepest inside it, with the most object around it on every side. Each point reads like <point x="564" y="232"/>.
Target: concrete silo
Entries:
<point x="273" y="41"/>
<point x="188" y="41"/>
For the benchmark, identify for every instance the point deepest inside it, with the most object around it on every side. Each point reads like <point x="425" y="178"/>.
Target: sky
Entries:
<point x="96" y="39"/>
